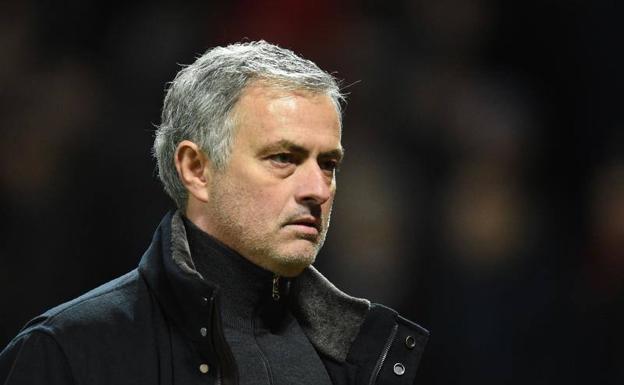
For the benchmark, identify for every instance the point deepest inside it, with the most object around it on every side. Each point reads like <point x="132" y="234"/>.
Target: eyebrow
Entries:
<point x="293" y="147"/>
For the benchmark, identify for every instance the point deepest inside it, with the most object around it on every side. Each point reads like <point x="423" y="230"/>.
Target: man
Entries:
<point x="248" y="147"/>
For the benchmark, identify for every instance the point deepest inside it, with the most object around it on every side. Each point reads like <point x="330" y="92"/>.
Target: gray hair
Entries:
<point x="200" y="100"/>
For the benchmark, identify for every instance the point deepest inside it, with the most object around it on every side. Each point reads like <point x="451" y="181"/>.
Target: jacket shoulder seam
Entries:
<point x="56" y="314"/>
<point x="39" y="330"/>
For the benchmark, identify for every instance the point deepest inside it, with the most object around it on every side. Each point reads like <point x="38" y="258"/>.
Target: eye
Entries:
<point x="282" y="159"/>
<point x="330" y="165"/>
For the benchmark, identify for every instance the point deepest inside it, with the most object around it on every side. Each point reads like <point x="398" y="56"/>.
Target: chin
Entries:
<point x="294" y="261"/>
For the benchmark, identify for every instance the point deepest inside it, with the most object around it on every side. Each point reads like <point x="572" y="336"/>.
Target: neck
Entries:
<point x="195" y="219"/>
<point x="243" y="284"/>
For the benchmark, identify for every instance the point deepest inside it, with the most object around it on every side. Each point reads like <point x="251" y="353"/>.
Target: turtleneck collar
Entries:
<point x="242" y="285"/>
<point x="330" y="318"/>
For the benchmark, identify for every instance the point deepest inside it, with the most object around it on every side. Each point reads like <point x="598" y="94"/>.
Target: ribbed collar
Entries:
<point x="243" y="286"/>
<point x="330" y="318"/>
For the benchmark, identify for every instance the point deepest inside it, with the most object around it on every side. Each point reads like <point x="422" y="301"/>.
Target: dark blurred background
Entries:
<point x="482" y="193"/>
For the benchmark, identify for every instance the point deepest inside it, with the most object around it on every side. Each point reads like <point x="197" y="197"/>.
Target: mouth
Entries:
<point x="308" y="225"/>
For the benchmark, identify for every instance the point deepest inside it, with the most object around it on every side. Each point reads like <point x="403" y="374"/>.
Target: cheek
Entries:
<point x="327" y="208"/>
<point x="262" y="198"/>
<point x="261" y="203"/>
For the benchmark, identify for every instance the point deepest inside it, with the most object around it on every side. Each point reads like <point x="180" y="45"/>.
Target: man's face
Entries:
<point x="273" y="201"/>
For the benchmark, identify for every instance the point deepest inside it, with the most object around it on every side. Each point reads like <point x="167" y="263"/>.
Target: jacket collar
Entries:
<point x="330" y="318"/>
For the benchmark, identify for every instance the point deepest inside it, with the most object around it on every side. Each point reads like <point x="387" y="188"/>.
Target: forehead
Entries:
<point x="268" y="114"/>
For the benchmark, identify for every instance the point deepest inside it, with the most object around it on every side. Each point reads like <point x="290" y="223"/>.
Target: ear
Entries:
<point x="194" y="169"/>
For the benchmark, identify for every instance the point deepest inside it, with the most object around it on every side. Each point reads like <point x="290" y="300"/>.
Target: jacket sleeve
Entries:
<point x="34" y="358"/>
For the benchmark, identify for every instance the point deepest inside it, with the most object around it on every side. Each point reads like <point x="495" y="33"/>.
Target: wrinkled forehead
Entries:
<point x="270" y="115"/>
<point x="282" y="89"/>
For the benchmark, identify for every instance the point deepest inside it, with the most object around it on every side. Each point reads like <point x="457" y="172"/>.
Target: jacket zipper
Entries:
<point x="263" y="358"/>
<point x="384" y="354"/>
<point x="227" y="361"/>
<point x="275" y="294"/>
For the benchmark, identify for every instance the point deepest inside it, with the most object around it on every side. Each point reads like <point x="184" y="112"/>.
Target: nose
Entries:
<point x="313" y="185"/>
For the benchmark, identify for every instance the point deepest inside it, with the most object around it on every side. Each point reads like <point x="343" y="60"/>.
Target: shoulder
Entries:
<point x="96" y="329"/>
<point x="34" y="358"/>
<point x="113" y="304"/>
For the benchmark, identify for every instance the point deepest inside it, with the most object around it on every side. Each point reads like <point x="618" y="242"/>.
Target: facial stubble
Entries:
<point x="237" y="225"/>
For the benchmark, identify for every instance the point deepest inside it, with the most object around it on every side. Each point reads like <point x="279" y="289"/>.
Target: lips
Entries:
<point x="306" y="223"/>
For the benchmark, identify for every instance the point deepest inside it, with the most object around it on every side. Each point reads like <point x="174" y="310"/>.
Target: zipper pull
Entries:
<point x="275" y="292"/>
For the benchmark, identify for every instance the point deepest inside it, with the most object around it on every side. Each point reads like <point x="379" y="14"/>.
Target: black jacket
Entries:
<point x="158" y="324"/>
